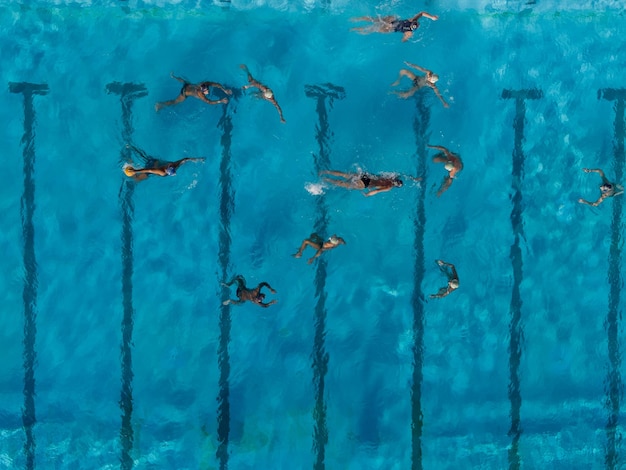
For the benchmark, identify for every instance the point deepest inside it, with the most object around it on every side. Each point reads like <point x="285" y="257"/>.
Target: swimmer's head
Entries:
<point x="606" y="187"/>
<point x="454" y="284"/>
<point x="397" y="182"/>
<point x="267" y="94"/>
<point x="260" y="297"/>
<point x="204" y="89"/>
<point x="432" y="78"/>
<point x="449" y="166"/>
<point x="414" y="25"/>
<point x="170" y="170"/>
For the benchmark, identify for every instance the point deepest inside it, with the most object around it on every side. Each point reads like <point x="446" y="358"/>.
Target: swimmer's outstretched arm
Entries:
<point x="150" y="171"/>
<point x="440" y="148"/>
<point x="454" y="276"/>
<point x="425" y="15"/>
<point x="181" y="80"/>
<point x="280" y="111"/>
<point x="376" y="191"/>
<point x="595" y="170"/>
<point x="178" y="163"/>
<point x="267" y="304"/>
<point x="253" y="82"/>
<point x="436" y="90"/>
<point x="220" y="86"/>
<point x="594" y="204"/>
<point x="209" y="101"/>
<point x="417" y="67"/>
<point x="443" y="263"/>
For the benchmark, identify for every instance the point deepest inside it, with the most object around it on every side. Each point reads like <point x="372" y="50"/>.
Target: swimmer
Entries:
<point x="607" y="189"/>
<point x="253" y="295"/>
<point x="200" y="91"/>
<point x="264" y="91"/>
<point x="152" y="166"/>
<point x="452" y="163"/>
<point x="392" y="24"/>
<point x="373" y="183"/>
<point x="317" y="243"/>
<point x="419" y="81"/>
<point x="453" y="279"/>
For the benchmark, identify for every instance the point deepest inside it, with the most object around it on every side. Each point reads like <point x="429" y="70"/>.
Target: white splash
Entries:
<point x="315" y="189"/>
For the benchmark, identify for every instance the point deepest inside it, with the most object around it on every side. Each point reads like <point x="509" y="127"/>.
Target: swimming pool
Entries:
<point x="117" y="348"/>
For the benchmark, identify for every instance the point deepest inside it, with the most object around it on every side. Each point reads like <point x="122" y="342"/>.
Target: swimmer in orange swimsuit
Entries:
<point x="452" y="163"/>
<point x="317" y="243"/>
<point x="419" y="82"/>
<point x="392" y="24"/>
<point x="244" y="294"/>
<point x="607" y="189"/>
<point x="200" y="91"/>
<point x="264" y="92"/>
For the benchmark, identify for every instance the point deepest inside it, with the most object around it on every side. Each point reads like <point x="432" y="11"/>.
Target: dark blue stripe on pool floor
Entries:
<point x="28" y="90"/>
<point x="227" y="207"/>
<point x="324" y="95"/>
<point x="420" y="127"/>
<point x="517" y="223"/>
<point x="614" y="379"/>
<point x="128" y="92"/>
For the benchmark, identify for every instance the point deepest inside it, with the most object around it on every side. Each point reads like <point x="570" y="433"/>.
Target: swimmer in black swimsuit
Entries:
<point x="419" y="81"/>
<point x="453" y="279"/>
<point x="253" y="295"/>
<point x="264" y="92"/>
<point x="152" y="166"/>
<point x="375" y="184"/>
<point x="607" y="189"/>
<point x="317" y="243"/>
<point x="392" y="24"/>
<point x="200" y="91"/>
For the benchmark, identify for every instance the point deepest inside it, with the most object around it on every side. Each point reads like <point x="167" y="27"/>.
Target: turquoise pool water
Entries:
<point x="118" y="351"/>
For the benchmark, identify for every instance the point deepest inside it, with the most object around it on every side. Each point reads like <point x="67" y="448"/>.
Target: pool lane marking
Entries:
<point x="29" y="294"/>
<point x="420" y="128"/>
<point x="227" y="207"/>
<point x="614" y="378"/>
<point x="324" y="94"/>
<point x="128" y="93"/>
<point x="517" y="223"/>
